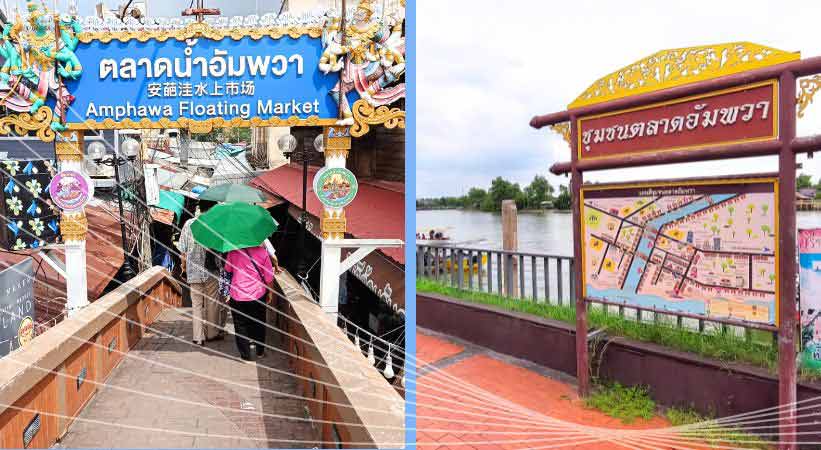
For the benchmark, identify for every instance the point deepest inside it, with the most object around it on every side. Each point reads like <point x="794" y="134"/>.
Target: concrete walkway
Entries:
<point x="203" y="426"/>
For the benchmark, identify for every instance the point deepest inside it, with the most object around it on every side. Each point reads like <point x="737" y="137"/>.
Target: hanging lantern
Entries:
<point x="371" y="358"/>
<point x="388" y="372"/>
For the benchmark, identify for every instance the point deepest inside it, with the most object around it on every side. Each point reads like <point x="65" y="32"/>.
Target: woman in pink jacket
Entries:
<point x="252" y="273"/>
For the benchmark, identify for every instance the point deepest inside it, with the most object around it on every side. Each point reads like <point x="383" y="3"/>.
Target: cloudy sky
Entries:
<point x="486" y="67"/>
<point x="165" y="8"/>
<point x="170" y="8"/>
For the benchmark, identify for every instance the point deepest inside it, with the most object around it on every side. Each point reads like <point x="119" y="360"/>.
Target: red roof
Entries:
<point x="377" y="212"/>
<point x="103" y="255"/>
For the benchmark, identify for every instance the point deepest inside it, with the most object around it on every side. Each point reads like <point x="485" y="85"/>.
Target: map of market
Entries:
<point x="707" y="248"/>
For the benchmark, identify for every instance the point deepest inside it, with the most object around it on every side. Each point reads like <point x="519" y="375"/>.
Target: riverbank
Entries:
<point x="758" y="351"/>
<point x="527" y="210"/>
<point x="540" y="231"/>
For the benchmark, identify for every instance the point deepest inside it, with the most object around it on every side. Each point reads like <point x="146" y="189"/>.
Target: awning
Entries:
<point x="104" y="256"/>
<point x="381" y="274"/>
<point x="172" y="201"/>
<point x="378" y="212"/>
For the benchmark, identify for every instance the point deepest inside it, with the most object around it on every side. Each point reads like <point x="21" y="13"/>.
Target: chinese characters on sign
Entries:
<point x="707" y="247"/>
<point x="744" y="114"/>
<point x="202" y="79"/>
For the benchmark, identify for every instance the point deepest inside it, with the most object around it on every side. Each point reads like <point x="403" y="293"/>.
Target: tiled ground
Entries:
<point x="480" y="393"/>
<point x="430" y="349"/>
<point x="192" y="425"/>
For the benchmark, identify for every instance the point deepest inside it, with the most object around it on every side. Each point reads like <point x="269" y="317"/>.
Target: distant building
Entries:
<point x="137" y="9"/>
<point x="805" y="194"/>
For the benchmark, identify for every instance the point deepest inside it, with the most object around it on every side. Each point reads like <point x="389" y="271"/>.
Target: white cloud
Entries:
<point x="486" y="67"/>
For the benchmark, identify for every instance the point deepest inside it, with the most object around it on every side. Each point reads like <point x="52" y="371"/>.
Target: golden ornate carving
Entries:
<point x="24" y="123"/>
<point x="676" y="67"/>
<point x="201" y="30"/>
<point x="365" y="115"/>
<point x="73" y="226"/>
<point x="562" y="129"/>
<point x="333" y="224"/>
<point x="337" y="141"/>
<point x="807" y="86"/>
<point x="69" y="146"/>
<point x="206" y="125"/>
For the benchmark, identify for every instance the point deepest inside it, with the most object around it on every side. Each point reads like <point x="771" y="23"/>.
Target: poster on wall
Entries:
<point x="704" y="247"/>
<point x="29" y="217"/>
<point x="809" y="262"/>
<point x="16" y="306"/>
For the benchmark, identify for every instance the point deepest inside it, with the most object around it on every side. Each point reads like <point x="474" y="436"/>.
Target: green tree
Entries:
<point x="537" y="191"/>
<point x="475" y="197"/>
<point x="563" y="201"/>
<point x="500" y="189"/>
<point x="804" y="181"/>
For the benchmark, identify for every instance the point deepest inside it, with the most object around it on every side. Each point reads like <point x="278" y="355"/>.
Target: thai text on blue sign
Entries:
<point x="201" y="79"/>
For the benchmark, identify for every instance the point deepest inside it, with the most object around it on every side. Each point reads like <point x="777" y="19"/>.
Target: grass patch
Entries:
<point x="721" y="346"/>
<point x="622" y="402"/>
<point x="716" y="435"/>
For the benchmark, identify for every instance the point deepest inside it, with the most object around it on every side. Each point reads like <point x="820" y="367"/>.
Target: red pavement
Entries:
<point x="430" y="349"/>
<point x="501" y="381"/>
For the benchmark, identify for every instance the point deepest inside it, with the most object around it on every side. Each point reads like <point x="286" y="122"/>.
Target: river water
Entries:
<point x="548" y="232"/>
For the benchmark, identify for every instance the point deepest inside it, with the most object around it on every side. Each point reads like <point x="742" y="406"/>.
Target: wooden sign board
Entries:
<point x="747" y="113"/>
<point x="703" y="247"/>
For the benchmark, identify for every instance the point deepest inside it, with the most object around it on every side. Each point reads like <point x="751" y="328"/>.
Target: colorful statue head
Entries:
<point x="364" y="10"/>
<point x="36" y="14"/>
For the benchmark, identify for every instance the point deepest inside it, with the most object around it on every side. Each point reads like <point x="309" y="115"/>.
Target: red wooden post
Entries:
<point x="787" y="241"/>
<point x="582" y="366"/>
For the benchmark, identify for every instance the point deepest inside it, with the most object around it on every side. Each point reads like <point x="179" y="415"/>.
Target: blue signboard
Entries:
<point x="201" y="79"/>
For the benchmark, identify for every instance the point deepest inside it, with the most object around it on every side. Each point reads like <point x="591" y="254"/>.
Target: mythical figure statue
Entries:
<point x="372" y="55"/>
<point x="32" y="54"/>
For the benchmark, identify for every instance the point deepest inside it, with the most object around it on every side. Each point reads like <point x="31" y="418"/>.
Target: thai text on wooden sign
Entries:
<point x="704" y="247"/>
<point x="746" y="113"/>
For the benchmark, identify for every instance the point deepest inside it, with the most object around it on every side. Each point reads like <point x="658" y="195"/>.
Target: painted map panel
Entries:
<point x="707" y="247"/>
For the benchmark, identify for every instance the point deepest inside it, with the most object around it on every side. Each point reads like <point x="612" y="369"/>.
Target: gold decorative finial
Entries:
<point x="807" y="86"/>
<point x="680" y="66"/>
<point x="562" y="129"/>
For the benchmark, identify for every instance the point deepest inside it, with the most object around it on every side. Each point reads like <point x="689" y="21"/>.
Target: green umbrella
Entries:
<point x="233" y="193"/>
<point x="231" y="226"/>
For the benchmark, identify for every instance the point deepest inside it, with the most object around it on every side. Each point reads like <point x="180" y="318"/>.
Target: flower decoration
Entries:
<point x="34" y="187"/>
<point x="15" y="204"/>
<point x="12" y="167"/>
<point x="37" y="226"/>
<point x="19" y="245"/>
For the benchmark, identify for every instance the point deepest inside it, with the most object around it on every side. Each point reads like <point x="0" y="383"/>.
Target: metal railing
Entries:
<point x="546" y="278"/>
<point x="535" y="276"/>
